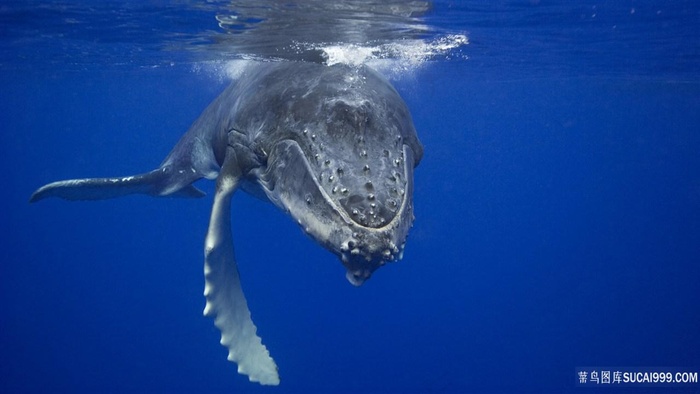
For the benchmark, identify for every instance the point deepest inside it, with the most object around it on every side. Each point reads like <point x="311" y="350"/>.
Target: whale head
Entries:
<point x="342" y="164"/>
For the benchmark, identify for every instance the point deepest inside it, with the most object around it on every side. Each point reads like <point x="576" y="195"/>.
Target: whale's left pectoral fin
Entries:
<point x="222" y="289"/>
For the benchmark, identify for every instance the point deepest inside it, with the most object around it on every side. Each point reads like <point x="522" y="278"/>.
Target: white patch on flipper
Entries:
<point x="222" y="288"/>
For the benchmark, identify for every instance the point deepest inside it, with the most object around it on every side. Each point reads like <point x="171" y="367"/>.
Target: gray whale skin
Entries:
<point x="334" y="147"/>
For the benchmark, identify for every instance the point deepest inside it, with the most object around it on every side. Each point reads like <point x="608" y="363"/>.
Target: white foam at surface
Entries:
<point x="393" y="59"/>
<point x="396" y="58"/>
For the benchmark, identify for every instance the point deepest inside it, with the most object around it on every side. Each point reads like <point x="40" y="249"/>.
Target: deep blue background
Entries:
<point x="558" y="225"/>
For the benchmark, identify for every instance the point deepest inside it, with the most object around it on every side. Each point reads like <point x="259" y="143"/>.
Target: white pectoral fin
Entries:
<point x="222" y="289"/>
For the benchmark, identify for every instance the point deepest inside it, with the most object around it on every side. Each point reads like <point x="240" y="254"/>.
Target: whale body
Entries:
<point x="334" y="147"/>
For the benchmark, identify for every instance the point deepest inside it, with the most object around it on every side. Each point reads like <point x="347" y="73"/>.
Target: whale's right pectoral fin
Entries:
<point x="222" y="289"/>
<point x="159" y="182"/>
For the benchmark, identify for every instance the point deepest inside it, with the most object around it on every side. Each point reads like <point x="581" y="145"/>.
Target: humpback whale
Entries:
<point x="334" y="147"/>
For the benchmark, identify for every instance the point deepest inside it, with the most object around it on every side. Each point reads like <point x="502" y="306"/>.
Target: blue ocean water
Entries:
<point x="557" y="205"/>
